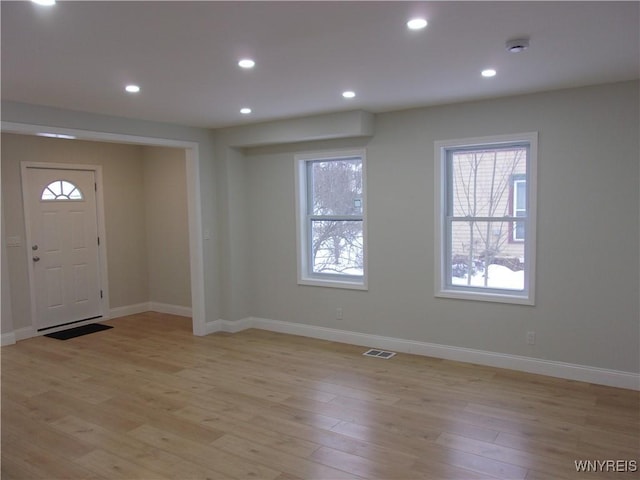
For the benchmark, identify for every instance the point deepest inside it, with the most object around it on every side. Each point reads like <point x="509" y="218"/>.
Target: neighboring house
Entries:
<point x="489" y="183"/>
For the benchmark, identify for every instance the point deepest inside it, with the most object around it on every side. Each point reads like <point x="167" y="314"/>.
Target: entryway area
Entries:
<point x="143" y="260"/>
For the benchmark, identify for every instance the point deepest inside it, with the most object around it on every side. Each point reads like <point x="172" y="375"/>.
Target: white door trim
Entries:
<point x="193" y="198"/>
<point x="102" y="231"/>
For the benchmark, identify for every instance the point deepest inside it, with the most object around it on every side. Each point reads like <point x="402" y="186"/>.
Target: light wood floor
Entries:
<point x="147" y="400"/>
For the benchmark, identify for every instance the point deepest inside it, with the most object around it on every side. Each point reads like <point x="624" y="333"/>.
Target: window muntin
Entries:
<point x="61" y="190"/>
<point x="485" y="223"/>
<point x="331" y="239"/>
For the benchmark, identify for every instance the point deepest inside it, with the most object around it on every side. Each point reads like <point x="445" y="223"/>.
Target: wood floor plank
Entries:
<point x="109" y="465"/>
<point x="154" y="460"/>
<point x="435" y="470"/>
<point x="58" y="445"/>
<point x="248" y="431"/>
<point x="329" y="438"/>
<point x="147" y="399"/>
<point x="24" y="458"/>
<point x="230" y="371"/>
<point x="356" y="464"/>
<point x="159" y="418"/>
<point x="528" y="460"/>
<point x="226" y="463"/>
<point x="278" y="460"/>
<point x="117" y="420"/>
<point x="539" y="447"/>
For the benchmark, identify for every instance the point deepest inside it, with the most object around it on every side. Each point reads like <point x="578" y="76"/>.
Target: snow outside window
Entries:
<point x="485" y="201"/>
<point x="331" y="219"/>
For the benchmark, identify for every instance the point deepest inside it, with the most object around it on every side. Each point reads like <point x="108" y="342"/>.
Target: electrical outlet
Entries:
<point x="339" y="313"/>
<point x="531" y="338"/>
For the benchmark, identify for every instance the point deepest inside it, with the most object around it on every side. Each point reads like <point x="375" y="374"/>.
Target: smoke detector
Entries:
<point x="517" y="45"/>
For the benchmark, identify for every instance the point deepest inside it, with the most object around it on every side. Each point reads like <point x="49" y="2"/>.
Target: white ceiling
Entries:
<point x="80" y="55"/>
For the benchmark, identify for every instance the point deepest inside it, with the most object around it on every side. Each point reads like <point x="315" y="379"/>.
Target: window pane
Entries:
<point x="482" y="256"/>
<point x="518" y="229"/>
<point x="520" y="192"/>
<point x="61" y="190"/>
<point x="337" y="247"/>
<point x="336" y="187"/>
<point x="481" y="180"/>
<point x="47" y="194"/>
<point x="56" y="187"/>
<point x="70" y="191"/>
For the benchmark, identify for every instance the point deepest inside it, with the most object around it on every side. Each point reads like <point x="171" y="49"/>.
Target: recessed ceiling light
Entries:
<point x="132" y="88"/>
<point x="348" y="94"/>
<point x="246" y="63"/>
<point x="489" y="72"/>
<point x="245" y="111"/>
<point x="44" y="3"/>
<point x="416" y="24"/>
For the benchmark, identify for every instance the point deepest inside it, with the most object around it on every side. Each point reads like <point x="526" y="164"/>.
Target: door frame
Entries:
<point x="192" y="157"/>
<point x="102" y="234"/>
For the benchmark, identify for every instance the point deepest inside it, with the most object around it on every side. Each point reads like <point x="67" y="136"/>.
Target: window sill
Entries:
<point x="346" y="284"/>
<point x="515" y="298"/>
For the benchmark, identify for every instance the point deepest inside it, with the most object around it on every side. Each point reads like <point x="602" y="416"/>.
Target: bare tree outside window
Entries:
<point x="335" y="215"/>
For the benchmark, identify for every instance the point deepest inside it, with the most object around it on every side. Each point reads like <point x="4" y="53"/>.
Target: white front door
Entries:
<point x="63" y="233"/>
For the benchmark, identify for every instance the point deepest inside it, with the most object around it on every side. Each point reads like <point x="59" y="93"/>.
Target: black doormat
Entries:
<point x="78" y="331"/>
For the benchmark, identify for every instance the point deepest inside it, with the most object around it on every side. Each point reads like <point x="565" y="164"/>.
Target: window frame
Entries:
<point x="443" y="286"/>
<point x="304" y="220"/>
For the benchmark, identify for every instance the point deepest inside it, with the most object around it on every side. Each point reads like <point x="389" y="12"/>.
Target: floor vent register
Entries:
<point x="378" y="353"/>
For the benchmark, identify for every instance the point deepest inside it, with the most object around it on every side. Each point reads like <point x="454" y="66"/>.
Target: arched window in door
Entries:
<point x="61" y="190"/>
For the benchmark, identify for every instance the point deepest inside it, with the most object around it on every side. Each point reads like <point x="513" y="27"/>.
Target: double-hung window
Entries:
<point x="331" y="219"/>
<point x="485" y="218"/>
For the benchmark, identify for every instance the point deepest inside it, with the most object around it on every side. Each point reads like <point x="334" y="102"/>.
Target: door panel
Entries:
<point x="64" y="237"/>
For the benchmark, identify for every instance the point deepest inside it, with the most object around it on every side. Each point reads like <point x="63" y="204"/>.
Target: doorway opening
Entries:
<point x="195" y="245"/>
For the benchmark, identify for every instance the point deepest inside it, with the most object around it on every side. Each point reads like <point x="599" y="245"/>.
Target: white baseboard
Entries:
<point x="582" y="373"/>
<point x="24" y="333"/>
<point x="170" y="309"/>
<point x="7" y="339"/>
<point x="229" y="326"/>
<point x="129" y="310"/>
<point x="150" y="307"/>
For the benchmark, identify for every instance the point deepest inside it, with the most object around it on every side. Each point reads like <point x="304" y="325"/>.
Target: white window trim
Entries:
<point x="305" y="277"/>
<point x="442" y="289"/>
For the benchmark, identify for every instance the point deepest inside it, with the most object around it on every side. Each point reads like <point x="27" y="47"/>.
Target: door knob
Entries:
<point x="36" y="258"/>
<point x="34" y="247"/>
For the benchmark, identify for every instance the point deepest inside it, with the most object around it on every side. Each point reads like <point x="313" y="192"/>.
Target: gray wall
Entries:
<point x="586" y="309"/>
